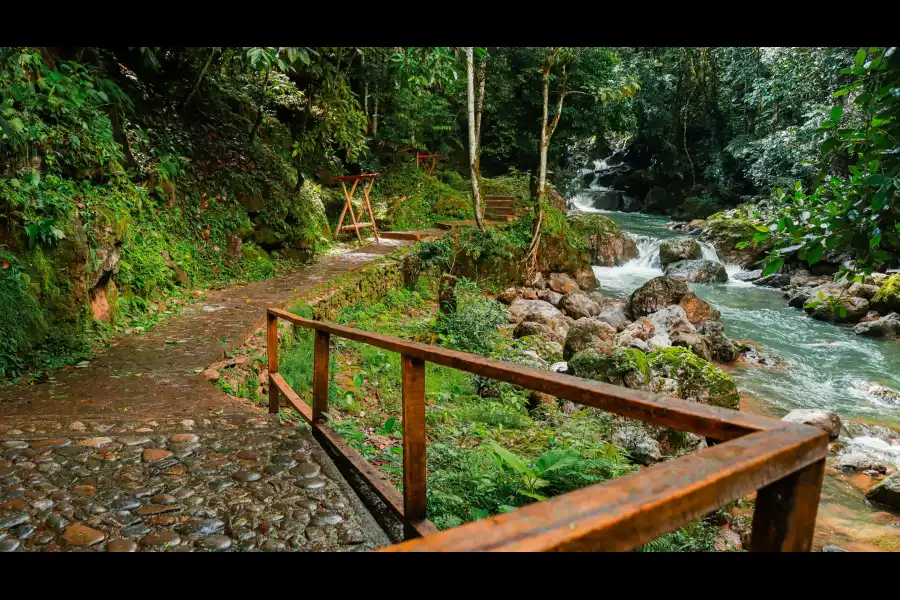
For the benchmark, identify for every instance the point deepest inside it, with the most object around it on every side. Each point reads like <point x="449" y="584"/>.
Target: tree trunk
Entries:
<point x="200" y="77"/>
<point x="531" y="256"/>
<point x="473" y="141"/>
<point x="479" y="109"/>
<point x="259" y="105"/>
<point x="375" y="118"/>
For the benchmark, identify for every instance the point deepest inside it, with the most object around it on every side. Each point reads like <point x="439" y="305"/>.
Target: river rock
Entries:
<point x="656" y="294"/>
<point x="888" y="297"/>
<point x="548" y="295"/>
<point x="696" y="343"/>
<point x="537" y="281"/>
<point x="883" y="393"/>
<point x="586" y="279"/>
<point x="685" y="248"/>
<point x="853" y="310"/>
<point x="886" y="491"/>
<point x="863" y="290"/>
<point x="721" y="348"/>
<point x="77" y="534"/>
<point x="857" y="461"/>
<point x="537" y="311"/>
<point x="578" y="305"/>
<point x="824" y="419"/>
<point x="587" y="333"/>
<point x="527" y="328"/>
<point x="696" y="309"/>
<point x="885" y="326"/>
<point x="697" y="271"/>
<point x="507" y="296"/>
<point x="639" y="444"/>
<point x="670" y="320"/>
<point x="615" y="316"/>
<point x="748" y="275"/>
<point x="775" y="280"/>
<point x="562" y="283"/>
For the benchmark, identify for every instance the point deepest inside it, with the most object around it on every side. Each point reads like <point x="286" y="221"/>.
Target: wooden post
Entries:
<point x="272" y="352"/>
<point x="347" y="196"/>
<point x="366" y="190"/>
<point x="784" y="519"/>
<point x="320" y="376"/>
<point x="414" y="500"/>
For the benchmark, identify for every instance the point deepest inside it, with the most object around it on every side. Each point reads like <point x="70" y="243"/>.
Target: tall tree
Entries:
<point x="473" y="140"/>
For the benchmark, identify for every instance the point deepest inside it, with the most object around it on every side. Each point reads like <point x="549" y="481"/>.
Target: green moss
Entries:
<point x="888" y="297"/>
<point x="611" y="368"/>
<point x="697" y="379"/>
<point x="734" y="228"/>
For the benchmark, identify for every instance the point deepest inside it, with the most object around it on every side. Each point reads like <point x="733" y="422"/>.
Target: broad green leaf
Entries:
<point x="510" y="459"/>
<point x="532" y="495"/>
<point x="875" y="239"/>
<point x="556" y="459"/>
<point x="814" y="254"/>
<point x="773" y="266"/>
<point x="836" y="113"/>
<point x="860" y="58"/>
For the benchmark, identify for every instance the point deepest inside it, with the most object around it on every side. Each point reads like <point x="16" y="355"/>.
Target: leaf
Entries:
<point x="390" y="425"/>
<point x="556" y="459"/>
<point x="772" y="266"/>
<point x="814" y="254"/>
<point x="479" y="513"/>
<point x="875" y="239"/>
<point x="511" y="460"/>
<point x="532" y="495"/>
<point x="860" y="58"/>
<point x="759" y="237"/>
<point x="829" y="145"/>
<point x="836" y="113"/>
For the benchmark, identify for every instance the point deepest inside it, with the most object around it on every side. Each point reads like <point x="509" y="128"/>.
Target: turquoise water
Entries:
<point x="825" y="366"/>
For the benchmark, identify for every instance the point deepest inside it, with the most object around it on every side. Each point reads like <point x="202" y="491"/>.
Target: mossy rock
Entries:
<point x="698" y="380"/>
<point x="612" y="368"/>
<point x="888" y="297"/>
<point x="684" y="248"/>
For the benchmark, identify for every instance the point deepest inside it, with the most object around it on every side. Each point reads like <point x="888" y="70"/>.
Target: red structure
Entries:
<point x="368" y="180"/>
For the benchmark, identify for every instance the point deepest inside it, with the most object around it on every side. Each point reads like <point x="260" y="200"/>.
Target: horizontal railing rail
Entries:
<point x="782" y="461"/>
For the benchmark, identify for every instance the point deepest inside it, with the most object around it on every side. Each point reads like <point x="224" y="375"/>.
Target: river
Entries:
<point x="825" y="367"/>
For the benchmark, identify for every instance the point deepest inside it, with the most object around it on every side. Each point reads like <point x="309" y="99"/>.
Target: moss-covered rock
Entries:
<point x="887" y="298"/>
<point x="726" y="230"/>
<point x="698" y="380"/>
<point x="606" y="244"/>
<point x="588" y="333"/>
<point x="656" y="294"/>
<point x="685" y="248"/>
<point x="624" y="366"/>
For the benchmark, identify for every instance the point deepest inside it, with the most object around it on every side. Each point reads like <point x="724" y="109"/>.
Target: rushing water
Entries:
<point x="825" y="366"/>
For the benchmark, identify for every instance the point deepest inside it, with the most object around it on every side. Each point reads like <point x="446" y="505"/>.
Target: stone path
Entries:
<point x="138" y="452"/>
<point x="158" y="374"/>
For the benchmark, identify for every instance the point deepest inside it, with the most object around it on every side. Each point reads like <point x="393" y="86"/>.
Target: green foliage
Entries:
<point x="20" y="316"/>
<point x="473" y="326"/>
<point x="696" y="377"/>
<point x="856" y="209"/>
<point x="699" y="536"/>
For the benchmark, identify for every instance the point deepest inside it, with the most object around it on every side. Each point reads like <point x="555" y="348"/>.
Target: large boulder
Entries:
<point x="697" y="310"/>
<point x="637" y="335"/>
<point x="696" y="343"/>
<point x="578" y="305"/>
<point x="586" y="279"/>
<point x="563" y="284"/>
<point x="550" y="296"/>
<point x="721" y="348"/>
<point x="508" y="295"/>
<point x="615" y="316"/>
<point x="623" y="366"/>
<point x="887" y="298"/>
<point x="639" y="445"/>
<point x="697" y="380"/>
<point x="840" y="309"/>
<point x="531" y="328"/>
<point x="727" y="232"/>
<point x="607" y="245"/>
<point x="886" y="491"/>
<point x="670" y="320"/>
<point x="588" y="333"/>
<point x="858" y="461"/>
<point x="885" y="326"/>
<point x="677" y="249"/>
<point x="697" y="271"/>
<point x="823" y="419"/>
<point x="656" y="294"/>
<point x="533" y="310"/>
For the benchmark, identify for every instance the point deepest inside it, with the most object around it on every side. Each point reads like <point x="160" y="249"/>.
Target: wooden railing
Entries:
<point x="783" y="461"/>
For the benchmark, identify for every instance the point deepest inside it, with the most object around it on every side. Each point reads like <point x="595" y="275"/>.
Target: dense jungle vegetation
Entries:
<point x="129" y="176"/>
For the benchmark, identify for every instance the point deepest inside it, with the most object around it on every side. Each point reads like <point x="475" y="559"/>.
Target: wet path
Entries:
<point x="157" y="374"/>
<point x="138" y="452"/>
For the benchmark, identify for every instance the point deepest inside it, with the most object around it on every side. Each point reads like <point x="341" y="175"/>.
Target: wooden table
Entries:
<point x="368" y="180"/>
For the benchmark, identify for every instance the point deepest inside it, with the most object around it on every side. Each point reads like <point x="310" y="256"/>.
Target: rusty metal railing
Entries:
<point x="785" y="462"/>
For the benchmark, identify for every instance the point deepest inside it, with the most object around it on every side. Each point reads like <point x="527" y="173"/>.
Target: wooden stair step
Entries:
<point x="402" y="235"/>
<point x="500" y="210"/>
